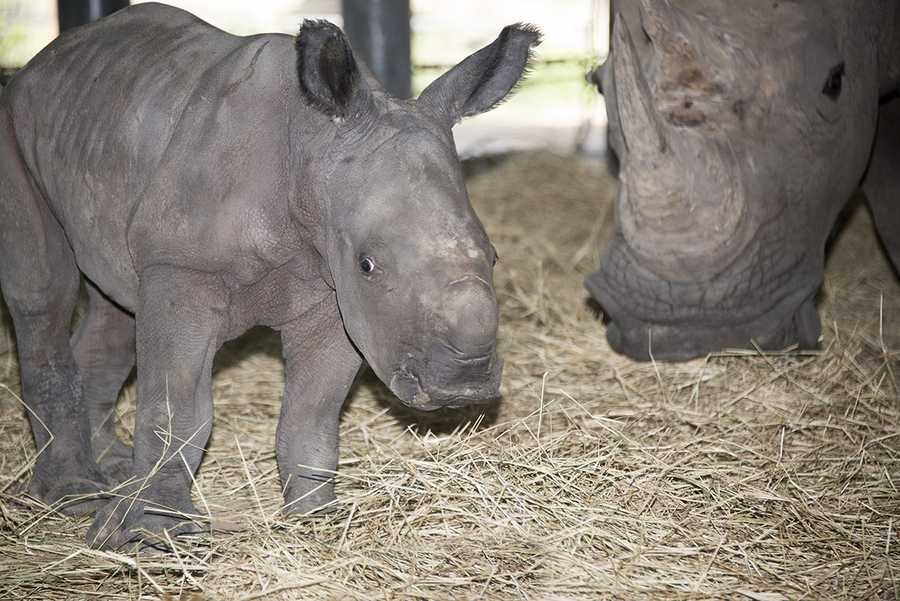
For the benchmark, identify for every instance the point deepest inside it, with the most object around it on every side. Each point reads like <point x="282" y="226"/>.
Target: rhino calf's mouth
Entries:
<point x="453" y="383"/>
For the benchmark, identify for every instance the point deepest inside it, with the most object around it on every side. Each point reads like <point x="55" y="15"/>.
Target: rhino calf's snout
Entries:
<point x="463" y="366"/>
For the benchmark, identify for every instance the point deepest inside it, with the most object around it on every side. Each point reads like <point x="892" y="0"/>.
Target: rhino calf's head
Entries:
<point x="409" y="260"/>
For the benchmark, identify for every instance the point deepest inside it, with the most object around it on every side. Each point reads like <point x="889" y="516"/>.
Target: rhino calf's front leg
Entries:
<point x="179" y="319"/>
<point x="320" y="366"/>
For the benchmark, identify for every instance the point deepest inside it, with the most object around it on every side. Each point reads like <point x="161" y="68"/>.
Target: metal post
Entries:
<point x="380" y="34"/>
<point x="73" y="13"/>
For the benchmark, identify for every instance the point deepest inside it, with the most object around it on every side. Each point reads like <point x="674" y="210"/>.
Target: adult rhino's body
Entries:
<point x="742" y="129"/>
<point x="204" y="183"/>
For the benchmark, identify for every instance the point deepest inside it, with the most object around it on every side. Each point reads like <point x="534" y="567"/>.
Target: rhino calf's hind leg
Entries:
<point x="39" y="280"/>
<point x="882" y="183"/>
<point x="103" y="346"/>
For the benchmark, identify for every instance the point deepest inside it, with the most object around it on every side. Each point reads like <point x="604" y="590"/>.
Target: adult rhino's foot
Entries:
<point x="72" y="489"/>
<point x="124" y="523"/>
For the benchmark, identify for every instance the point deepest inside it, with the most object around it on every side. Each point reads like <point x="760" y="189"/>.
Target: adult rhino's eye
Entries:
<point x="366" y="265"/>
<point x="834" y="82"/>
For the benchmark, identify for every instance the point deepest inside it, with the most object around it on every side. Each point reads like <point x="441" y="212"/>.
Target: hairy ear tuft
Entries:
<point x="329" y="77"/>
<point x="487" y="77"/>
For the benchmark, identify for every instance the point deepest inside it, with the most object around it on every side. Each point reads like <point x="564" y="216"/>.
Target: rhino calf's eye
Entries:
<point x="366" y="265"/>
<point x="834" y="82"/>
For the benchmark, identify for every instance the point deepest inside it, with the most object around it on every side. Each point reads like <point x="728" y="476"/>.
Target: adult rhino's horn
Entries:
<point x="641" y="125"/>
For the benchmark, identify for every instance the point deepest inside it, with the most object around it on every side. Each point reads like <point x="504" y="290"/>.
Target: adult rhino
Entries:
<point x="203" y="183"/>
<point x="742" y="128"/>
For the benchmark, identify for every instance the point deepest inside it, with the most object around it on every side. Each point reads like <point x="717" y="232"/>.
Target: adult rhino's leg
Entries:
<point x="320" y="365"/>
<point x="179" y="318"/>
<point x="882" y="183"/>
<point x="40" y="285"/>
<point x="103" y="346"/>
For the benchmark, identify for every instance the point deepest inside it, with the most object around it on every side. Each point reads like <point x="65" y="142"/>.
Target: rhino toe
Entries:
<point x="147" y="536"/>
<point x="125" y="524"/>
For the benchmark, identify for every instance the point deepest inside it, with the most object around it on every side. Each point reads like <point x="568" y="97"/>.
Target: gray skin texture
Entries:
<point x="204" y="183"/>
<point x="741" y="130"/>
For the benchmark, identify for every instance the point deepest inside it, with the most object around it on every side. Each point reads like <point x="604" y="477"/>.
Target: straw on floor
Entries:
<point x="752" y="476"/>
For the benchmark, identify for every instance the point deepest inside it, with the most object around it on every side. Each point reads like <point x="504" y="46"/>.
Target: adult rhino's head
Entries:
<point x="740" y="131"/>
<point x="410" y="261"/>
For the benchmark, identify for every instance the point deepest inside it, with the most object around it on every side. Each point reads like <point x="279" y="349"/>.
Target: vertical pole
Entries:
<point x="73" y="13"/>
<point x="380" y="34"/>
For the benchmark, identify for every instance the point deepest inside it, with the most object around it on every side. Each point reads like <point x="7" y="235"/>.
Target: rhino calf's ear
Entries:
<point x="330" y="79"/>
<point x="481" y="81"/>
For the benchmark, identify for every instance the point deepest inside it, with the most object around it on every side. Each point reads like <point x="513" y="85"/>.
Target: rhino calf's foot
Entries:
<point x="309" y="498"/>
<point x="71" y="495"/>
<point x="127" y="523"/>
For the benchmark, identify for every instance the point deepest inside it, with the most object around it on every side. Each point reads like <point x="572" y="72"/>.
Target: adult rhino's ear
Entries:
<point x="330" y="79"/>
<point x="484" y="79"/>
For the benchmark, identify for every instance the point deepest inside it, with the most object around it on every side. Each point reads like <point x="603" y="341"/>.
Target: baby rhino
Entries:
<point x="202" y="184"/>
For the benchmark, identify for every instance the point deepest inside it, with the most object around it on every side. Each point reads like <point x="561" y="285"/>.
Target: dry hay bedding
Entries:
<point x="738" y="476"/>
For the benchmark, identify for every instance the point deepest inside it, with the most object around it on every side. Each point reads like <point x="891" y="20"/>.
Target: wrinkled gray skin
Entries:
<point x="204" y="183"/>
<point x="742" y="129"/>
